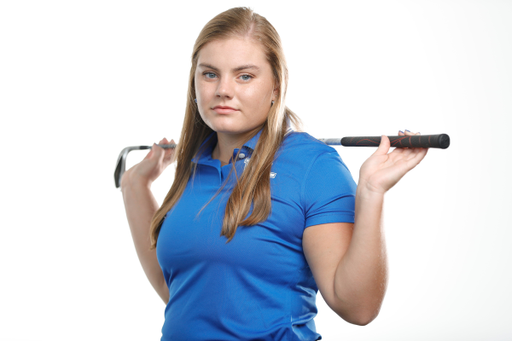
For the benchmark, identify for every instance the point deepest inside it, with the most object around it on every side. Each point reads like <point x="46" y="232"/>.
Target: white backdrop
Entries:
<point x="80" y="80"/>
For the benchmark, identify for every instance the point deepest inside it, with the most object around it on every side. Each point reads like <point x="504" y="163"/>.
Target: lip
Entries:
<point x="220" y="109"/>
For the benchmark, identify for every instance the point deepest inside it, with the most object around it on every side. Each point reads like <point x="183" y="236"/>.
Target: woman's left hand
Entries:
<point x="383" y="170"/>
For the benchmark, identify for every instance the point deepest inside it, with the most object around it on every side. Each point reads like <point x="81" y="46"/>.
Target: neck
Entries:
<point x="227" y="143"/>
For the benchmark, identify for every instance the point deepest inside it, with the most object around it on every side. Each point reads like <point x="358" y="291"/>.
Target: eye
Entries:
<point x="209" y="75"/>
<point x="246" y="77"/>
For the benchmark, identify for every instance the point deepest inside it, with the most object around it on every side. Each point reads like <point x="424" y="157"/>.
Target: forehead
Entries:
<point x="233" y="52"/>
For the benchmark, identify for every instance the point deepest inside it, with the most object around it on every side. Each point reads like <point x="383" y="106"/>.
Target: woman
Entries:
<point x="259" y="217"/>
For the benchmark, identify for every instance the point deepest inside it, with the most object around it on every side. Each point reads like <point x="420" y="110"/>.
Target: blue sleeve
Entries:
<point x="328" y="191"/>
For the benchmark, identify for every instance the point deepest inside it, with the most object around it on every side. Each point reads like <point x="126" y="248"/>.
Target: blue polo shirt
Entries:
<point x="258" y="286"/>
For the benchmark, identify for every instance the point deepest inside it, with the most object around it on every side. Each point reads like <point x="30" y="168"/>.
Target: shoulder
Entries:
<point x="324" y="185"/>
<point x="304" y="143"/>
<point x="303" y="154"/>
<point x="315" y="156"/>
<point x="304" y="147"/>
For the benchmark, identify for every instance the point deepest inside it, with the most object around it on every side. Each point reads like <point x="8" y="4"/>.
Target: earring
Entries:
<point x="272" y="103"/>
<point x="195" y="100"/>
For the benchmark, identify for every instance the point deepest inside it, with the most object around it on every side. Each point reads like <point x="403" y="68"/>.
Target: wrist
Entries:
<point x="134" y="181"/>
<point x="368" y="193"/>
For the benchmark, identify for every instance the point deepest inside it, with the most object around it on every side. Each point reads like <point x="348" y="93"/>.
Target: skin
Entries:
<point x="141" y="205"/>
<point x="233" y="73"/>
<point x="348" y="261"/>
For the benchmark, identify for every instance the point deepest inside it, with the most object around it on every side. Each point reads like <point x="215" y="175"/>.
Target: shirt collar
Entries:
<point x="207" y="146"/>
<point x="251" y="144"/>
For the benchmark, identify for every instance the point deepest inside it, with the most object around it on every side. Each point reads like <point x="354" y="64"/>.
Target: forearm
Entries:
<point x="140" y="206"/>
<point x="361" y="276"/>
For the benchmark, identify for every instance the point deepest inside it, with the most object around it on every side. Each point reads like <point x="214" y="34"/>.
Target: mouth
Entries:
<point x="220" y="109"/>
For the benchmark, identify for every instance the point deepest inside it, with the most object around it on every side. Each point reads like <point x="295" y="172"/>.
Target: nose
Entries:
<point x="225" y="88"/>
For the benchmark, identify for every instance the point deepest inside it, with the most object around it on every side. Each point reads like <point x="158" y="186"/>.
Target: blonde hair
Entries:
<point x="253" y="186"/>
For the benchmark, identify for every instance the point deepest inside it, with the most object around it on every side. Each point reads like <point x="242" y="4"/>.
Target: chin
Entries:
<point x="226" y="128"/>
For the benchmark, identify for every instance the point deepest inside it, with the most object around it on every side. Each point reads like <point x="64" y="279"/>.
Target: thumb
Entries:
<point x="384" y="146"/>
<point x="149" y="155"/>
<point x="158" y="151"/>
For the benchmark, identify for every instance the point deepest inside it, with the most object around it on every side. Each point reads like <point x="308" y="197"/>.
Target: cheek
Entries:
<point x="258" y="95"/>
<point x="202" y="88"/>
<point x="198" y="88"/>
<point x="204" y="117"/>
<point x="257" y="102"/>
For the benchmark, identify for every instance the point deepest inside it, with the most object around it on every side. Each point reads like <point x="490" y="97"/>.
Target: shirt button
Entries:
<point x="241" y="156"/>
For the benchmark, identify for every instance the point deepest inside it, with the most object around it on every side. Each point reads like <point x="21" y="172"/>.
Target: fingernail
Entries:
<point x="401" y="131"/>
<point x="407" y="130"/>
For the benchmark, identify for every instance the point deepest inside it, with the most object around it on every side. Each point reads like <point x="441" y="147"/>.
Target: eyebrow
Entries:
<point x="239" y="68"/>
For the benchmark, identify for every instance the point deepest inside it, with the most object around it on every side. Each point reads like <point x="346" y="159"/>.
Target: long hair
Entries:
<point x="253" y="185"/>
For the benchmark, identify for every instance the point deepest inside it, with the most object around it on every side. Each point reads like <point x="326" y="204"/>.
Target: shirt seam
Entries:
<point x="303" y="187"/>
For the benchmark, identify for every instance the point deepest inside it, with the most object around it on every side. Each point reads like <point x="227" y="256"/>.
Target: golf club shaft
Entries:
<point x="412" y="141"/>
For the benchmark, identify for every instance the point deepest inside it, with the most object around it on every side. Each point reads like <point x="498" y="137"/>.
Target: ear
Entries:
<point x="275" y="93"/>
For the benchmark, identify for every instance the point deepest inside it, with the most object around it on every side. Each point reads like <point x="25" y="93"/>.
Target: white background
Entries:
<point x="80" y="80"/>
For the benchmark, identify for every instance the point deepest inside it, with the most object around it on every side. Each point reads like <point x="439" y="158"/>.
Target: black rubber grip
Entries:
<point x="413" y="141"/>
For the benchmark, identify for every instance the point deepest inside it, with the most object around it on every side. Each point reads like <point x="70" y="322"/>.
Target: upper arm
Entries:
<point x="324" y="246"/>
<point x="329" y="205"/>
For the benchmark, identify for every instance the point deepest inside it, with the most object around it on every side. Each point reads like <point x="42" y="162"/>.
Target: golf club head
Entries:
<point x="121" y="163"/>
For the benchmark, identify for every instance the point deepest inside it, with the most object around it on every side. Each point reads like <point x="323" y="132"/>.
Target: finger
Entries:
<point x="173" y="151"/>
<point x="400" y="154"/>
<point x="169" y="153"/>
<point x="397" y="154"/>
<point x="149" y="155"/>
<point x="416" y="157"/>
<point x="421" y="153"/>
<point x="158" y="152"/>
<point x="408" y="132"/>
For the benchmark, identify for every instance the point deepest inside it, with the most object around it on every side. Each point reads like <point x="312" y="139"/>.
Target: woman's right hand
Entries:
<point x="150" y="168"/>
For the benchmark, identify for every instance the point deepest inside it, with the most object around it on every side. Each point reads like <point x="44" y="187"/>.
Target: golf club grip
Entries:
<point x="414" y="141"/>
<point x="167" y="146"/>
